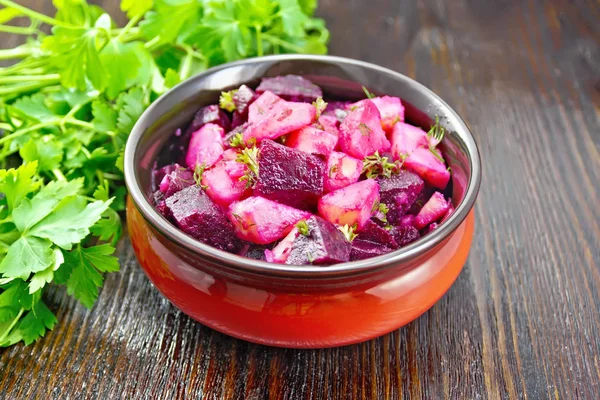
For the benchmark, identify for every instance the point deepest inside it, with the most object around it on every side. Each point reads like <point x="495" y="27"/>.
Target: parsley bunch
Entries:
<point x="68" y="100"/>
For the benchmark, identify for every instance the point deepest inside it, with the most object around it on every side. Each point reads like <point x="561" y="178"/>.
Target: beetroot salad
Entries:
<point x="282" y="174"/>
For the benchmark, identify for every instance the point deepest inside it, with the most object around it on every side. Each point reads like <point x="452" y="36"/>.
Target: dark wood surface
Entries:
<point x="522" y="320"/>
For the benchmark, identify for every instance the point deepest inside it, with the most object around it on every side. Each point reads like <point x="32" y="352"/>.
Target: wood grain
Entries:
<point x="523" y="319"/>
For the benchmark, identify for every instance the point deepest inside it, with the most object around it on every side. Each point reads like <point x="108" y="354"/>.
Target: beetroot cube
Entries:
<point x="362" y="249"/>
<point x="158" y="198"/>
<point x="406" y="139"/>
<point x="261" y="107"/>
<point x="425" y="164"/>
<point x="283" y="118"/>
<point x="230" y="135"/>
<point x="423" y="197"/>
<point x="178" y="179"/>
<point x="321" y="243"/>
<point x="209" y="115"/>
<point x="262" y="221"/>
<point x="291" y="87"/>
<point x="342" y="170"/>
<point x="351" y="205"/>
<point x="254" y="251"/>
<point x="433" y="210"/>
<point x="361" y="134"/>
<point x="223" y="183"/>
<point x="289" y="176"/>
<point x="372" y="232"/>
<point x="405" y="235"/>
<point x="407" y="220"/>
<point x="195" y="214"/>
<point x="312" y="140"/>
<point x="159" y="173"/>
<point x="206" y="146"/>
<point x="399" y="192"/>
<point x="242" y="99"/>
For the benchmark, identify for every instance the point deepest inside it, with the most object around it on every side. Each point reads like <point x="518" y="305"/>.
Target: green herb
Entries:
<point x="198" y="172"/>
<point x="68" y="102"/>
<point x="320" y="105"/>
<point x="349" y="232"/>
<point x="226" y="101"/>
<point x="436" y="134"/>
<point x="375" y="166"/>
<point x="367" y="93"/>
<point x="334" y="168"/>
<point x="237" y="141"/>
<point x="364" y="129"/>
<point x="303" y="227"/>
<point x="249" y="156"/>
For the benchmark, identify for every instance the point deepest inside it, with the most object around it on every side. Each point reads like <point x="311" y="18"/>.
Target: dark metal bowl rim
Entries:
<point x="401" y="256"/>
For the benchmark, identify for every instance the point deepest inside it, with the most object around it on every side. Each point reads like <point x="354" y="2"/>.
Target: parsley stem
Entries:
<point x="186" y="65"/>
<point x="127" y="27"/>
<point x="32" y="128"/>
<point x="59" y="175"/>
<point x="28" y="78"/>
<point x="16" y="90"/>
<point x="283" y="43"/>
<point x="88" y="125"/>
<point x="153" y="44"/>
<point x="35" y="15"/>
<point x="18" y="30"/>
<point x="17" y="52"/>
<point x="12" y="325"/>
<point x="259" y="44"/>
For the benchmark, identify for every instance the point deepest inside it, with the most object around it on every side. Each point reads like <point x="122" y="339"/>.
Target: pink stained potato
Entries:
<point x="432" y="211"/>
<point x="361" y="134"/>
<point x="431" y="169"/>
<point x="206" y="146"/>
<point x="253" y="219"/>
<point x="312" y="140"/>
<point x="342" y="170"/>
<point x="352" y="205"/>
<point x="406" y="139"/>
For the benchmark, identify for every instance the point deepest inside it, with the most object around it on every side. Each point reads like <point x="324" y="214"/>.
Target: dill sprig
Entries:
<point x="249" y="156"/>
<point x="349" y="232"/>
<point x="376" y="165"/>
<point x="226" y="100"/>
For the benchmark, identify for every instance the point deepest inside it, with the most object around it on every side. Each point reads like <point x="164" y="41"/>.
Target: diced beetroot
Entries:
<point x="405" y="235"/>
<point x="158" y="198"/>
<point x="159" y="173"/>
<point x="333" y="106"/>
<point x="254" y="251"/>
<point x="178" y="179"/>
<point x="406" y="139"/>
<point x="390" y="108"/>
<point x="330" y="124"/>
<point x="260" y="108"/>
<point x="312" y="140"/>
<point x="433" y="210"/>
<point x="361" y="134"/>
<point x="262" y="221"/>
<point x="291" y="87"/>
<point x="223" y="183"/>
<point x="237" y="120"/>
<point x="425" y="164"/>
<point x="209" y="115"/>
<point x="242" y="99"/>
<point x="423" y="197"/>
<point x="289" y="176"/>
<point x="206" y="146"/>
<point x="406" y="220"/>
<point x="323" y="243"/>
<point x="283" y="118"/>
<point x="372" y="232"/>
<point x="350" y="205"/>
<point x="342" y="170"/>
<point x="362" y="249"/>
<point x="195" y="214"/>
<point x="399" y="192"/>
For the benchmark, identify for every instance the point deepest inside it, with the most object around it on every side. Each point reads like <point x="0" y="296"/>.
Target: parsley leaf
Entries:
<point x="26" y="256"/>
<point x="70" y="222"/>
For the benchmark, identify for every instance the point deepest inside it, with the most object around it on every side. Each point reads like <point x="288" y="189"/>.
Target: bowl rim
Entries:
<point x="397" y="257"/>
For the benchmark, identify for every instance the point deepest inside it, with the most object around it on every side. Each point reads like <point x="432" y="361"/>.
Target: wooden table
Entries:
<point x="522" y="320"/>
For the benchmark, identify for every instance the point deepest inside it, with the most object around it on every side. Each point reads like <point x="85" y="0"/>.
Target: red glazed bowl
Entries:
<point x="286" y="305"/>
